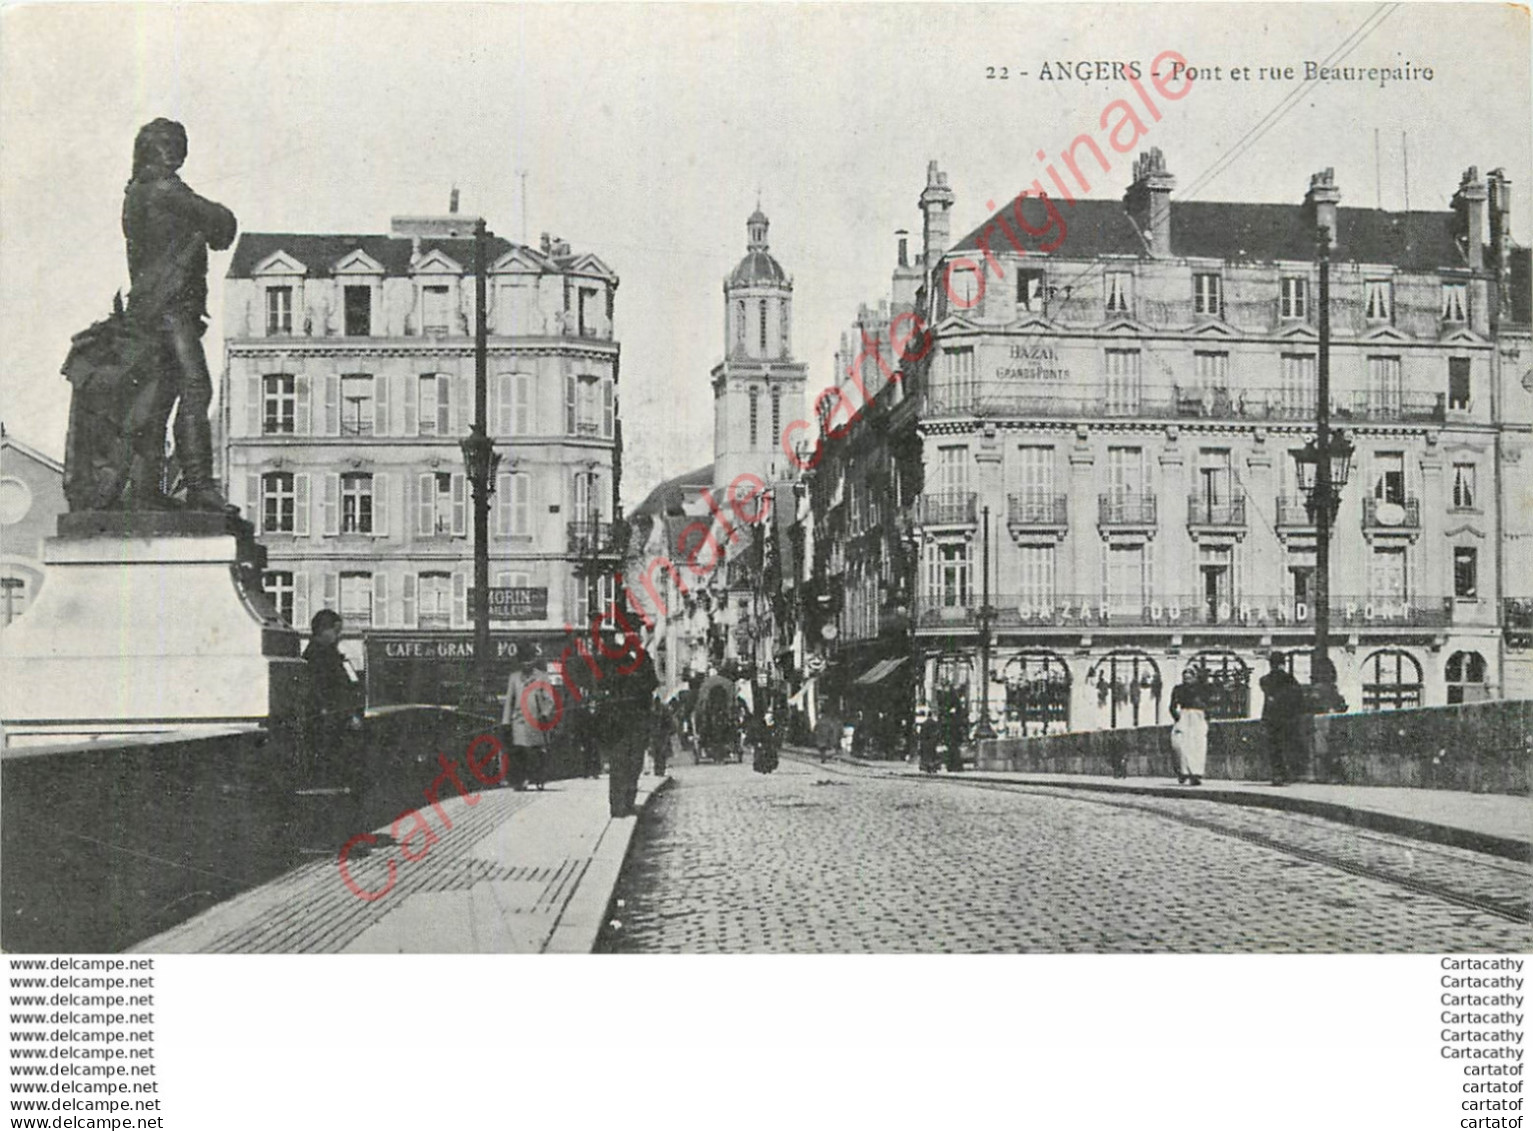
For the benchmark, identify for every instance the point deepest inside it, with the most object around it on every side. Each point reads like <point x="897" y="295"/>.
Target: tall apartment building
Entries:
<point x="347" y="388"/>
<point x="1122" y="388"/>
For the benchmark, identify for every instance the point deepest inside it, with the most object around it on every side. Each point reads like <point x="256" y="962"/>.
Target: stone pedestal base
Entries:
<point x="145" y="623"/>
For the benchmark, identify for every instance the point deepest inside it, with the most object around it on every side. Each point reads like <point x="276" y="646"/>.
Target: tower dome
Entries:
<point x="758" y="266"/>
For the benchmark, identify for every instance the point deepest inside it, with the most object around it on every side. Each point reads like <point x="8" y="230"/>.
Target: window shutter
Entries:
<point x="525" y="421"/>
<point x="503" y="505"/>
<point x="332" y="589"/>
<point x="253" y="405"/>
<point x="381" y="504"/>
<point x="330" y="506"/>
<point x="300" y="599"/>
<point x="426" y="486"/>
<point x="412" y="386"/>
<point x="463" y="403"/>
<point x="253" y="501"/>
<point x="504" y="404"/>
<point x="521" y="515"/>
<point x="459" y="505"/>
<point x="301" y="505"/>
<point x="459" y="599"/>
<point x="1147" y="583"/>
<point x="407" y="600"/>
<point x="332" y="404"/>
<point x="569" y="404"/>
<point x="608" y="408"/>
<point x="381" y="405"/>
<point x="303" y="411"/>
<point x="380" y="600"/>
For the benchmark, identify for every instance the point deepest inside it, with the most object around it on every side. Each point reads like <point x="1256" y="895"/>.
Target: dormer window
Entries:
<point x="434" y="314"/>
<point x="1118" y="292"/>
<point x="1205" y="294"/>
<point x="1380" y="300"/>
<point x="359" y="311"/>
<point x="1030" y="290"/>
<point x="279" y="310"/>
<point x="1295" y="300"/>
<point x="1455" y="302"/>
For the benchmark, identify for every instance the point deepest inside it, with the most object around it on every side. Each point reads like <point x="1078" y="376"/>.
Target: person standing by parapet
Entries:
<point x="528" y="716"/>
<point x="1189" y="733"/>
<point x="1282" y="709"/>
<point x="335" y="705"/>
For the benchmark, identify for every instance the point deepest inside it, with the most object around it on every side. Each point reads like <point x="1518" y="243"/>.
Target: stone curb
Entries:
<point x="1413" y="828"/>
<point x="581" y="920"/>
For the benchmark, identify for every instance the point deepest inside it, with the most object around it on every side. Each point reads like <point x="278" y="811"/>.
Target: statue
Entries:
<point x="129" y="371"/>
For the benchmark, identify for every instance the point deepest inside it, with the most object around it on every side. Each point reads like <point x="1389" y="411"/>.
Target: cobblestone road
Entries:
<point x="810" y="859"/>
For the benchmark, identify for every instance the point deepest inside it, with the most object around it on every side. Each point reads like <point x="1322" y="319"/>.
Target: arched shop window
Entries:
<point x="1391" y="681"/>
<point x="1227" y="684"/>
<point x="1128" y="689"/>
<point x="1037" y="693"/>
<point x="1465" y="674"/>
<point x="952" y="690"/>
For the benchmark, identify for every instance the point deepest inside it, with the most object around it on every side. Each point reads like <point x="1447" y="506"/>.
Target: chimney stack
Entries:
<point x="1500" y="215"/>
<point x="904" y="240"/>
<point x="1321" y="200"/>
<point x="1469" y="207"/>
<point x="452" y="202"/>
<point x="936" y="200"/>
<point x="1148" y="200"/>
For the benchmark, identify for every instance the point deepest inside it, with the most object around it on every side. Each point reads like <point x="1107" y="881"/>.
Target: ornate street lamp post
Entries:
<point x="1322" y="467"/>
<point x="481" y="460"/>
<point x="985" y="730"/>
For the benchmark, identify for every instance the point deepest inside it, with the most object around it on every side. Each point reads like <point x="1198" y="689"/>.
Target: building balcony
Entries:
<point x="591" y="539"/>
<point x="1220" y="514"/>
<point x="1393" y="405"/>
<point x="954" y="508"/>
<point x="1005" y="399"/>
<point x="1037" y="511"/>
<point x="1379" y="514"/>
<point x="1126" y="509"/>
<point x="1293" y="513"/>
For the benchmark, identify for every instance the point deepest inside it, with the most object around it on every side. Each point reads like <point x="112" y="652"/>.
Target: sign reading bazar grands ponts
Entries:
<point x="1032" y="360"/>
<point x="1344" y="614"/>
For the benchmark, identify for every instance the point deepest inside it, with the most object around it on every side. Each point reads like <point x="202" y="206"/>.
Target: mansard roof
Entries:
<point x="1230" y="231"/>
<point x="320" y="253"/>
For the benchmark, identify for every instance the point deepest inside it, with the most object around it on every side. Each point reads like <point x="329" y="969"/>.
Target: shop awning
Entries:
<point x="880" y="670"/>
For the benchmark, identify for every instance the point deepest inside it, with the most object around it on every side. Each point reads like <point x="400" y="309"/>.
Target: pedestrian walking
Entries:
<point x="827" y="734"/>
<point x="529" y="714"/>
<point x="1282" y="716"/>
<point x="625" y="719"/>
<point x="1189" y="731"/>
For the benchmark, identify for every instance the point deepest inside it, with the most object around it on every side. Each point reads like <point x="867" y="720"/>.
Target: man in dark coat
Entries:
<point x="625" y="718"/>
<point x="335" y="705"/>
<point x="1282" y="714"/>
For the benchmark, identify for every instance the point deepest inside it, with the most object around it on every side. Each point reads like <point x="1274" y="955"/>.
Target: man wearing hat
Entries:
<point x="529" y="714"/>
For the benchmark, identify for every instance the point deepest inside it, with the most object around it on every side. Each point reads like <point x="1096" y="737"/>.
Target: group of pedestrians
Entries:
<point x="1283" y="713"/>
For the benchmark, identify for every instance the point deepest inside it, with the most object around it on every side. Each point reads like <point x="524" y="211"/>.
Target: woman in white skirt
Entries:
<point x="1189" y="733"/>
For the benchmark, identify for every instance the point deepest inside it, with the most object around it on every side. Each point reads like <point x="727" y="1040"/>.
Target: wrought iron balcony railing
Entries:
<point x="954" y="508"/>
<point x="1126" y="508"/>
<point x="591" y="539"/>
<point x="1293" y="513"/>
<point x="1037" y="509"/>
<point x="1205" y="511"/>
<point x="1384" y="514"/>
<point x="1174" y="402"/>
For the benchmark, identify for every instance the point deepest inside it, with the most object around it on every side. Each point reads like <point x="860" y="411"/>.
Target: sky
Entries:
<point x="647" y="132"/>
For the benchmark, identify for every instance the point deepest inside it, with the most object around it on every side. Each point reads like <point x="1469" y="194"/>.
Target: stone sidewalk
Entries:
<point x="1495" y="823"/>
<point x="499" y="872"/>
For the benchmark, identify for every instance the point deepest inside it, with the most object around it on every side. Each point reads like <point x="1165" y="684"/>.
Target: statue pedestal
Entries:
<point x="147" y="622"/>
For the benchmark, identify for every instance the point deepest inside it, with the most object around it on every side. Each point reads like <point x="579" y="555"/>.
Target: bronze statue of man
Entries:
<point x="169" y="229"/>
